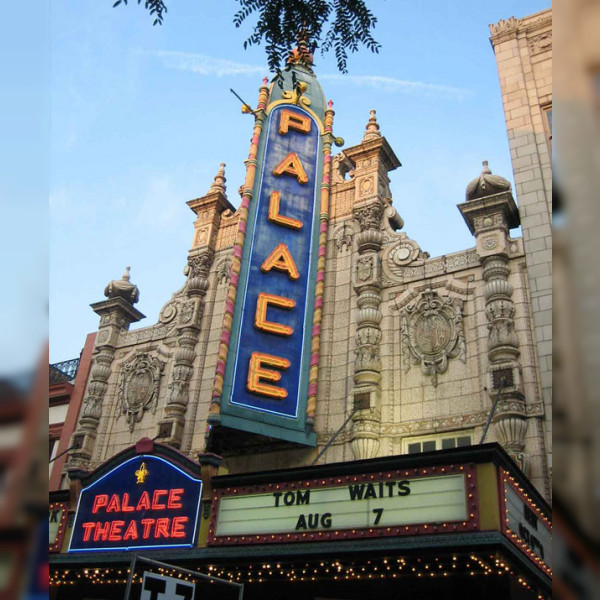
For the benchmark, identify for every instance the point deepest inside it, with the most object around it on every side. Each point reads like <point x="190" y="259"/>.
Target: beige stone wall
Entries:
<point x="523" y="49"/>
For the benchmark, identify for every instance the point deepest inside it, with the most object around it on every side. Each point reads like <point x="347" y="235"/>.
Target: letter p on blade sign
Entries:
<point x="161" y="587"/>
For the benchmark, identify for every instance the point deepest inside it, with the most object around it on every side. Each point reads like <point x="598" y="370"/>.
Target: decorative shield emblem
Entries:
<point x="432" y="333"/>
<point x="138" y="387"/>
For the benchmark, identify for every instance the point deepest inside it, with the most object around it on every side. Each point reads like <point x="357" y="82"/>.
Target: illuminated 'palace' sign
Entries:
<point x="386" y="504"/>
<point x="266" y="378"/>
<point x="146" y="502"/>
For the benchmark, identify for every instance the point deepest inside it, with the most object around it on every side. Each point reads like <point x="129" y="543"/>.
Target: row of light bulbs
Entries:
<point x="337" y="570"/>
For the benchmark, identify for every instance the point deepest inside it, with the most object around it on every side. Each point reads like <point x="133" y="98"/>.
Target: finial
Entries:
<point x="123" y="289"/>
<point x="330" y="104"/>
<point x="301" y="55"/>
<point x="265" y="81"/>
<point x="486" y="184"/>
<point x="218" y="184"/>
<point x="372" y="128"/>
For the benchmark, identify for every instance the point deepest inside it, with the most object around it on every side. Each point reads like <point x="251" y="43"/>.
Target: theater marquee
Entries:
<point x="391" y="503"/>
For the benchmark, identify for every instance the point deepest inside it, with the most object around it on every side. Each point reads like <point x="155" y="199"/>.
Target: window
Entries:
<point x="440" y="441"/>
<point x="547" y="113"/>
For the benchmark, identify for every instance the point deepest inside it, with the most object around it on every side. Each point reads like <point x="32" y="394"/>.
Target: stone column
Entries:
<point x="116" y="315"/>
<point x="503" y="355"/>
<point x="367" y="367"/>
<point x="171" y="428"/>
<point x="490" y="212"/>
<point x="372" y="160"/>
<point x="208" y="209"/>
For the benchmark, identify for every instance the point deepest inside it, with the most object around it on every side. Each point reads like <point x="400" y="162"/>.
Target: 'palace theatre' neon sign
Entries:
<point x="145" y="502"/>
<point x="266" y="381"/>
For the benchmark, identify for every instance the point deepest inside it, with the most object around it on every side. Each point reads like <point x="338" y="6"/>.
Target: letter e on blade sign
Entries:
<point x="161" y="587"/>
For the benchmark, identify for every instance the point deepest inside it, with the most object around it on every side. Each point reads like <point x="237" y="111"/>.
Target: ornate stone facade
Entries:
<point x="410" y="345"/>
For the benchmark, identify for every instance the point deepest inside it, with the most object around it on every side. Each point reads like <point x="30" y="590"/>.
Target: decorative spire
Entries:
<point x="123" y="288"/>
<point x="486" y="184"/>
<point x="218" y="184"/>
<point x="301" y="55"/>
<point x="372" y="129"/>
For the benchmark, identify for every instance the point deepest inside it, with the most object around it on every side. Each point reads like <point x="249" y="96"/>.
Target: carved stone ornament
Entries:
<point x="123" y="288"/>
<point x="505" y="26"/>
<point x="223" y="269"/>
<point x="402" y="254"/>
<point x="489" y="242"/>
<point x="541" y="42"/>
<point x="364" y="268"/>
<point x="200" y="263"/>
<point x="366" y="186"/>
<point x="342" y="168"/>
<point x="343" y="237"/>
<point x="138" y="386"/>
<point x="432" y="333"/>
<point x="369" y="216"/>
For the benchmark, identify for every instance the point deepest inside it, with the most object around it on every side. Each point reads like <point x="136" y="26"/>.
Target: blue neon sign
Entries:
<point x="145" y="502"/>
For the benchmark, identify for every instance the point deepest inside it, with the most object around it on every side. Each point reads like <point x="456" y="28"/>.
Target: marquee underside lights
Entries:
<point x="393" y="569"/>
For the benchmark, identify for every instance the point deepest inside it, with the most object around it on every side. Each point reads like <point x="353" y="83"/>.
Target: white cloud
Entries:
<point x="219" y="67"/>
<point x="391" y="84"/>
<point x="205" y="65"/>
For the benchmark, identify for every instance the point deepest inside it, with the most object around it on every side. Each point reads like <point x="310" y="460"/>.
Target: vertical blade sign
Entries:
<point x="266" y="381"/>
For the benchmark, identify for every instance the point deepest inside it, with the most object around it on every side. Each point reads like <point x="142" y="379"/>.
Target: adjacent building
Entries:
<point x="523" y="49"/>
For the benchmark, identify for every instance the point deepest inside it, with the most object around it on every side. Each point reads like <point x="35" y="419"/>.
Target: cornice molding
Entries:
<point x="506" y="29"/>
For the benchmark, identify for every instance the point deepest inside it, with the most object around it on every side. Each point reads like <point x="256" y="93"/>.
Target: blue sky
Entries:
<point x="142" y="116"/>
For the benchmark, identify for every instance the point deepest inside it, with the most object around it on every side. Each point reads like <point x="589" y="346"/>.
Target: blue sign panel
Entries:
<point x="145" y="502"/>
<point x="270" y="350"/>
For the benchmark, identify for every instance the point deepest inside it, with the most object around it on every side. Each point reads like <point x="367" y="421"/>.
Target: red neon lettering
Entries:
<point x="174" y="500"/>
<point x="115" y="533"/>
<point x="125" y="506"/>
<point x="143" y="502"/>
<point x="147" y="523"/>
<point x="155" y="498"/>
<point x="114" y="505"/>
<point x="162" y="528"/>
<point x="131" y="533"/>
<point x="101" y="531"/>
<point x="87" y="530"/>
<point x="178" y="527"/>
<point x="99" y="501"/>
